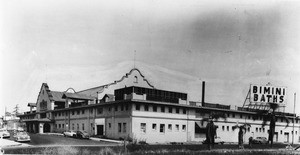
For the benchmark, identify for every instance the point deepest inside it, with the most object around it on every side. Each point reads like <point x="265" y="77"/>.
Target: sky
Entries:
<point x="178" y="44"/>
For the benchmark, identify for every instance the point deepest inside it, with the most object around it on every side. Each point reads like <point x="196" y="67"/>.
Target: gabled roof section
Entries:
<point x="31" y="104"/>
<point x="108" y="95"/>
<point x="57" y="96"/>
<point x="93" y="91"/>
<point x="77" y="96"/>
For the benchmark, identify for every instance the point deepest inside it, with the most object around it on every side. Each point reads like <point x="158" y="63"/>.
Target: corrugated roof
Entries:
<point x="77" y="96"/>
<point x="57" y="96"/>
<point x="31" y="104"/>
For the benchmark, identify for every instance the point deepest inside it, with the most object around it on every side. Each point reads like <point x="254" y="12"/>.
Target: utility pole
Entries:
<point x="294" y="119"/>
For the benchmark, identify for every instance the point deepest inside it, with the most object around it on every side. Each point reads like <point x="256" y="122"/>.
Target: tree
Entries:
<point x="211" y="128"/>
<point x="242" y="131"/>
<point x="271" y="117"/>
<point x="16" y="110"/>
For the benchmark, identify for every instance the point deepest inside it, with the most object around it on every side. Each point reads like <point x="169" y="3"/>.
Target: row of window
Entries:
<point x="62" y="126"/>
<point x="143" y="127"/>
<point x="162" y="108"/>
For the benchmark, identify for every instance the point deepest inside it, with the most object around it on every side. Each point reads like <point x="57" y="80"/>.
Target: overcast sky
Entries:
<point x="178" y="44"/>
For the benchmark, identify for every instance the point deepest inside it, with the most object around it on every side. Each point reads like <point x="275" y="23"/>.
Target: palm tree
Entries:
<point x="270" y="116"/>
<point x="242" y="130"/>
<point x="211" y="128"/>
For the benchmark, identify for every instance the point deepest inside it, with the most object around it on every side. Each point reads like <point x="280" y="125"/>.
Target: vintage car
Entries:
<point x="82" y="134"/>
<point x="4" y="133"/>
<point x="218" y="140"/>
<point x="260" y="140"/>
<point x="70" y="133"/>
<point x="22" y="136"/>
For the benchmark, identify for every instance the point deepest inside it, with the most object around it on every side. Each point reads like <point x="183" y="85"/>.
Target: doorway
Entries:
<point x="100" y="129"/>
<point x="286" y="137"/>
<point x="46" y="127"/>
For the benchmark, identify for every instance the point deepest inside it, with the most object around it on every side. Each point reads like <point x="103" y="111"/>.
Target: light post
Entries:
<point x="294" y="115"/>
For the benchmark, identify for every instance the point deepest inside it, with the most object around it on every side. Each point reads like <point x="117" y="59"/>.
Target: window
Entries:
<point x="126" y="107"/>
<point x="153" y="126"/>
<point x="55" y="125"/>
<point x="223" y="127"/>
<point x="143" y="127"/>
<point x="146" y="108"/>
<point x="281" y="120"/>
<point x="154" y="108"/>
<point x="281" y="132"/>
<point x="248" y="129"/>
<point x="109" y="125"/>
<point x="62" y="113"/>
<point x="77" y="126"/>
<point x="227" y="128"/>
<point x="170" y="127"/>
<point x="59" y="126"/>
<point x="177" y="110"/>
<point x="184" y="111"/>
<point x="162" y="109"/>
<point x="183" y="128"/>
<point x="170" y="109"/>
<point x="135" y="79"/>
<point x="92" y="127"/>
<point x="73" y="112"/>
<point x="91" y="111"/>
<point x="256" y="129"/>
<point x="82" y="111"/>
<point x="124" y="127"/>
<point x="116" y="108"/>
<point x="63" y="126"/>
<point x="73" y="127"/>
<point x="259" y="129"/>
<point x="109" y="108"/>
<point x="55" y="114"/>
<point x="233" y="115"/>
<point x="162" y="128"/>
<point x="119" y="127"/>
<point x="99" y="110"/>
<point x="82" y="126"/>
<point x="176" y="127"/>
<point x="78" y="112"/>
<point x="249" y="117"/>
<point x="122" y="107"/>
<point x="137" y="107"/>
<point x="228" y="114"/>
<point x="59" y="114"/>
<point x="241" y="116"/>
<point x="263" y="129"/>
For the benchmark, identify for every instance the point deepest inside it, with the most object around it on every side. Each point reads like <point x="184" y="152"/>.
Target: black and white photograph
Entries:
<point x="172" y="77"/>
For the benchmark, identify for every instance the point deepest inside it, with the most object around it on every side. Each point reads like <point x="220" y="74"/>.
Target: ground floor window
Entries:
<point x="162" y="128"/>
<point x="124" y="127"/>
<point x="143" y="127"/>
<point x="153" y="126"/>
<point x="119" y="127"/>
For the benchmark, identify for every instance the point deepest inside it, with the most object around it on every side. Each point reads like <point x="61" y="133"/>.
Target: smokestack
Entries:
<point x="203" y="92"/>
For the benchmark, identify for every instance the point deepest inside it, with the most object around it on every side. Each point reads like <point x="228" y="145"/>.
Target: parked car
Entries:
<point x="260" y="140"/>
<point x="4" y="133"/>
<point x="22" y="136"/>
<point x="70" y="133"/>
<point x="82" y="134"/>
<point x="218" y="140"/>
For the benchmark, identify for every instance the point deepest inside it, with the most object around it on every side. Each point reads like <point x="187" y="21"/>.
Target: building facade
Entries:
<point x="132" y="107"/>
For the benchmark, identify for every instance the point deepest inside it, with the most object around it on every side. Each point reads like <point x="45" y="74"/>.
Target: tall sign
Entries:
<point x="265" y="94"/>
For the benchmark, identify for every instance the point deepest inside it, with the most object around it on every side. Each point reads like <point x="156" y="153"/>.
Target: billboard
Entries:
<point x="265" y="94"/>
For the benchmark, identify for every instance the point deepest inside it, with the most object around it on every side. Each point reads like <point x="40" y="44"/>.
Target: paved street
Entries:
<point x="41" y="139"/>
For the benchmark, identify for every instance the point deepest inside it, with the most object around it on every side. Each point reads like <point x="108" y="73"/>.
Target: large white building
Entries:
<point x="132" y="107"/>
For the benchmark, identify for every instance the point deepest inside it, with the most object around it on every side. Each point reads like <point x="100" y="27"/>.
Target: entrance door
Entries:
<point x="276" y="136"/>
<point x="286" y="137"/>
<point x="100" y="129"/>
<point x="46" y="127"/>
